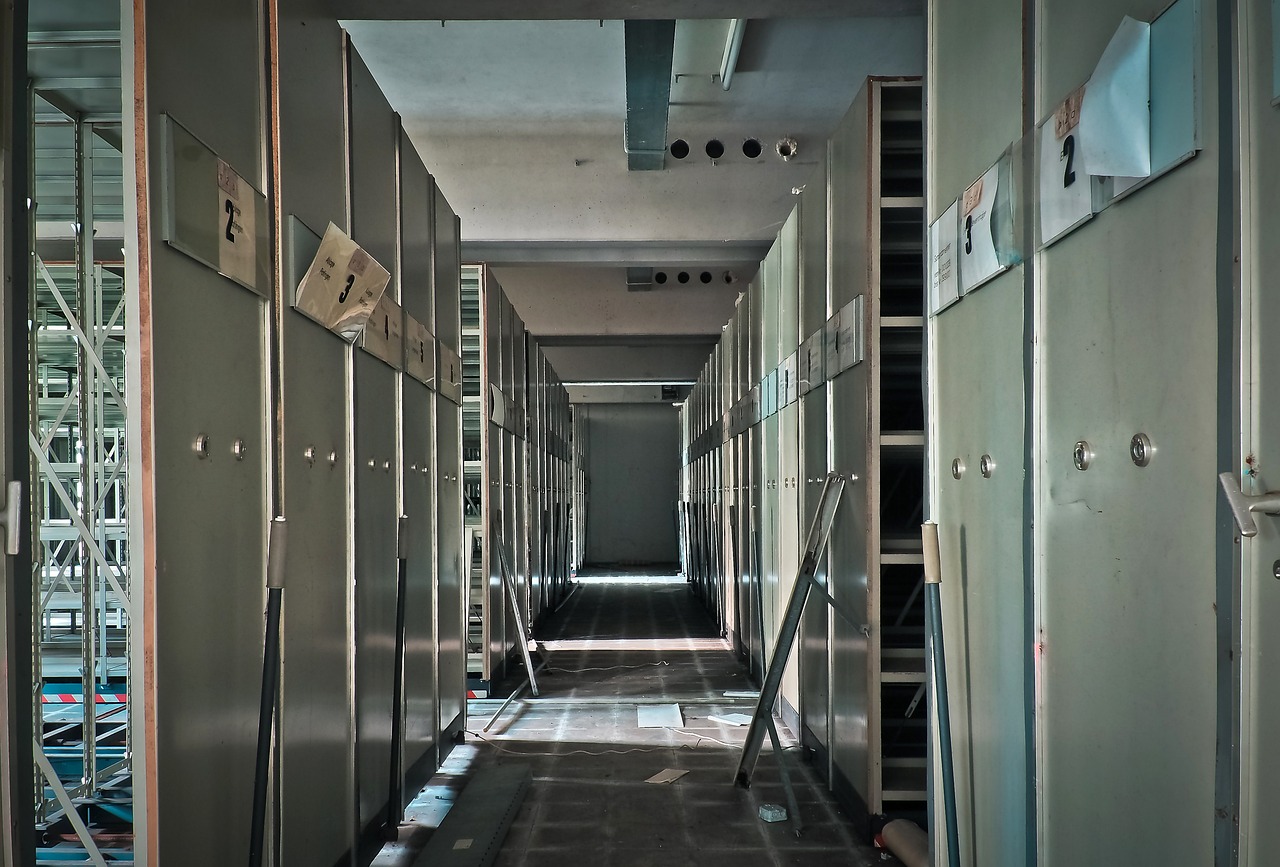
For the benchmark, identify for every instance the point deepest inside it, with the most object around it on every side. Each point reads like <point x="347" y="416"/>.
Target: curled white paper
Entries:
<point x="1115" y="119"/>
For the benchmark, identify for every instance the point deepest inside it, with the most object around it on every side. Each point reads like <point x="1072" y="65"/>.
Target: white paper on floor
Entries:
<point x="659" y="716"/>
<point x="670" y="775"/>
<point x="742" y="693"/>
<point x="731" y="719"/>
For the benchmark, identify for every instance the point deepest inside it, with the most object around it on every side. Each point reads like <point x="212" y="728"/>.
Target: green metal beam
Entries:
<point x="649" y="48"/>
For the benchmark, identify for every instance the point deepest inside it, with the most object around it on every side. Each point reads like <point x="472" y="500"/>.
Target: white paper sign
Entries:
<point x="342" y="286"/>
<point x="1066" y="188"/>
<point x="979" y="261"/>
<point x="236" y="226"/>
<point x="419" y="352"/>
<point x="804" y="380"/>
<point x="944" y="279"/>
<point x="1116" y="119"/>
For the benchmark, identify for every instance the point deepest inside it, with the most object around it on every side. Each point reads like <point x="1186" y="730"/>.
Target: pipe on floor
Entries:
<point x="907" y="841"/>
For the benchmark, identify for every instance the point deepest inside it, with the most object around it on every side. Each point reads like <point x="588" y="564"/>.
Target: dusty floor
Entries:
<point x="617" y="646"/>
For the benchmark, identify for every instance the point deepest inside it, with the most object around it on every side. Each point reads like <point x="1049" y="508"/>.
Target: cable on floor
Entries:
<point x="607" y="668"/>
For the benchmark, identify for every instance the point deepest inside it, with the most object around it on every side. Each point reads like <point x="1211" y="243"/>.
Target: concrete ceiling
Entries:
<point x="521" y="122"/>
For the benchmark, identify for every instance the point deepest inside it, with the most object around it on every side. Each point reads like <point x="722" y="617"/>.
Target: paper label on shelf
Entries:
<point x="343" y="285"/>
<point x="1066" y="188"/>
<point x="979" y="261"/>
<point x="831" y="341"/>
<point x="236" y="226"/>
<point x="804" y="381"/>
<point x="815" y="349"/>
<point x="383" y="335"/>
<point x="944" y="277"/>
<point x="449" y="373"/>
<point x="419" y="352"/>
<point x="851" y="329"/>
<point x="788" y="392"/>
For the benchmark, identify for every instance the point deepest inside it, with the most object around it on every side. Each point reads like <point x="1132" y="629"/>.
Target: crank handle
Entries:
<point x="1244" y="505"/>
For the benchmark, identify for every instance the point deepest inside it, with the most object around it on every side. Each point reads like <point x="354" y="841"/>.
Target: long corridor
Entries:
<point x="622" y="644"/>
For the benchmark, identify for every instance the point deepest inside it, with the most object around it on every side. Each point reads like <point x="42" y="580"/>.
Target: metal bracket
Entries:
<point x="1244" y="505"/>
<point x="11" y="517"/>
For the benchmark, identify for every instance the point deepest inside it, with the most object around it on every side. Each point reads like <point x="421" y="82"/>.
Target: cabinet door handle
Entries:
<point x="1244" y="505"/>
<point x="11" y="517"/>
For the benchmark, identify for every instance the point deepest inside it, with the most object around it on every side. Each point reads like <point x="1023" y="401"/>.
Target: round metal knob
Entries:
<point x="1141" y="449"/>
<point x="1082" y="456"/>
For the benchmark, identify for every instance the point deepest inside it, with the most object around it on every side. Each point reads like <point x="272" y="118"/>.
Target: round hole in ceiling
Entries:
<point x="679" y="148"/>
<point x="751" y="148"/>
<point x="715" y="148"/>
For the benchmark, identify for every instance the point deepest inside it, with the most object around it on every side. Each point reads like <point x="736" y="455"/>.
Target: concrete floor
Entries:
<point x="618" y="645"/>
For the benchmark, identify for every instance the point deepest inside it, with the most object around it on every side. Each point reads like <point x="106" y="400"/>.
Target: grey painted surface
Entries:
<point x="634" y="470"/>
<point x="374" y="225"/>
<point x="315" y="717"/>
<point x="978" y="379"/>
<point x="1260" y="599"/>
<point x="205" y="520"/>
<point x="418" y="485"/>
<point x="814" y="443"/>
<point x="450" y="584"/>
<point x="850" y="648"/>
<point x="1128" y="343"/>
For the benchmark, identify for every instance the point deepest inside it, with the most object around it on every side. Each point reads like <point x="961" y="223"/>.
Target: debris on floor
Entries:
<point x="659" y="716"/>
<point x="666" y="777"/>
<point x="731" y="719"/>
<point x="742" y="693"/>
<point x="773" y="813"/>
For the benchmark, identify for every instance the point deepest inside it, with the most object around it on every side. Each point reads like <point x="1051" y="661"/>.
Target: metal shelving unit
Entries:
<point x="895" y="460"/>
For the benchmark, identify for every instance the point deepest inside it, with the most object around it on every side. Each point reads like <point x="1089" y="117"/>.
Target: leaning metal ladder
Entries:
<point x="819" y="534"/>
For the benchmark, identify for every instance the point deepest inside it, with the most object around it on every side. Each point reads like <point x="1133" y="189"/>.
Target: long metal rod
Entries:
<point x="69" y="809"/>
<point x="514" y="695"/>
<point x="270" y="686"/>
<point x="508" y="581"/>
<point x="88" y="456"/>
<point x="395" y="794"/>
<point x="933" y="623"/>
<point x="819" y="533"/>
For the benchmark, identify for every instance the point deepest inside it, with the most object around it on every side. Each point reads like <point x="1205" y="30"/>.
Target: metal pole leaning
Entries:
<point x="509" y="582"/>
<point x="819" y="533"/>
<point x="270" y="683"/>
<point x="933" y="622"/>
<point x="395" y="795"/>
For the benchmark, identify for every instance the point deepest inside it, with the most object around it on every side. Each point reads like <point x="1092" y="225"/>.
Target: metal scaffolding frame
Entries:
<point x="80" y="581"/>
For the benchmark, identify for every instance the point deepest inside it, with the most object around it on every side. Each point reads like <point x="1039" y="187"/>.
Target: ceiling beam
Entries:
<point x="649" y="47"/>
<point x="620" y="253"/>
<point x="576" y="10"/>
